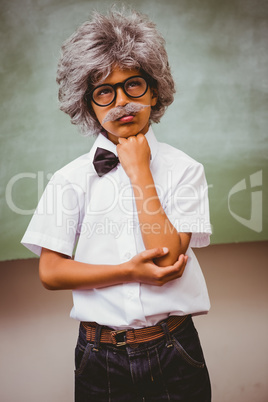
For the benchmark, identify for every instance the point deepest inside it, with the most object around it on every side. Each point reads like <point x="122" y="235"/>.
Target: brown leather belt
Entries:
<point x="132" y="336"/>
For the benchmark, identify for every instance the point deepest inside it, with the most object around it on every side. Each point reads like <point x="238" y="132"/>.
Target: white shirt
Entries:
<point x="98" y="216"/>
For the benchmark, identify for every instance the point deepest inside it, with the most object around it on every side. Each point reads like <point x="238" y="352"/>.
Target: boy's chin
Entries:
<point x="114" y="137"/>
<point x="123" y="133"/>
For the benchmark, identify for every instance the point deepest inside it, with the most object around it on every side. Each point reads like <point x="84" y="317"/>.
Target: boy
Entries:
<point x="132" y="207"/>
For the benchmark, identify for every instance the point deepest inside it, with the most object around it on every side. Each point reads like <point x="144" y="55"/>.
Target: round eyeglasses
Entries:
<point x="105" y="94"/>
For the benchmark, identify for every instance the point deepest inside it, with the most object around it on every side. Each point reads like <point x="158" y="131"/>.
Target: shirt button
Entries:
<point x="128" y="255"/>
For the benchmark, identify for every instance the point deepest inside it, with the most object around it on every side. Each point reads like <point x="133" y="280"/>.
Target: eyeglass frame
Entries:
<point x="115" y="86"/>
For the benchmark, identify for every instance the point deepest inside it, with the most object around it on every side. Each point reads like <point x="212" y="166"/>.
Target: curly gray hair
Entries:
<point x="89" y="55"/>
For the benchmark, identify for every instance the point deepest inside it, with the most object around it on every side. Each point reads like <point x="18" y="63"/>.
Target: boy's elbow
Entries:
<point x="48" y="285"/>
<point x="47" y="271"/>
<point x="179" y="246"/>
<point x="166" y="261"/>
<point x="46" y="279"/>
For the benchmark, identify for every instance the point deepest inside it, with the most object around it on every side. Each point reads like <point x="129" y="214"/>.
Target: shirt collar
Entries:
<point x="103" y="142"/>
<point x="152" y="141"/>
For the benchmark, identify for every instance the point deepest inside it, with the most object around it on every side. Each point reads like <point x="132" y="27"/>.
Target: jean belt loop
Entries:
<point x="97" y="338"/>
<point x="167" y="334"/>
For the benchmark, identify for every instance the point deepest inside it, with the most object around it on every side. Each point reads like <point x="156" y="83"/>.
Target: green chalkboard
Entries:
<point x="218" y="55"/>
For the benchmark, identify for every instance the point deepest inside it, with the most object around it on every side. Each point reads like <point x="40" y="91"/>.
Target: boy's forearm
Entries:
<point x="156" y="229"/>
<point x="58" y="272"/>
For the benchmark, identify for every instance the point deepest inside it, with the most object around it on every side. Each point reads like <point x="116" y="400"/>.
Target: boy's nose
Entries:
<point x="121" y="98"/>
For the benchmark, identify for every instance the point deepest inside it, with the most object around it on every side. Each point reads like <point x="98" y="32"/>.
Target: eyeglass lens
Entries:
<point x="134" y="87"/>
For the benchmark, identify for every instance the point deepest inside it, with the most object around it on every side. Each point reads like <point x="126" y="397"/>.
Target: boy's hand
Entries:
<point x="144" y="270"/>
<point x="134" y="154"/>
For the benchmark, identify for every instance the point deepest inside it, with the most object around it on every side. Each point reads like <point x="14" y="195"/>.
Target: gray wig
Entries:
<point x="90" y="54"/>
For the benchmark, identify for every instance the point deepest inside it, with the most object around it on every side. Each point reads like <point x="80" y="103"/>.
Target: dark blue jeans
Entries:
<point x="170" y="369"/>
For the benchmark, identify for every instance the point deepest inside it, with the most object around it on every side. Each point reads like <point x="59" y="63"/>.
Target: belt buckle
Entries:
<point x="119" y="337"/>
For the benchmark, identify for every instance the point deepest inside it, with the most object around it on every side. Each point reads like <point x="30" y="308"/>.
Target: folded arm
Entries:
<point x="58" y="271"/>
<point x="156" y="229"/>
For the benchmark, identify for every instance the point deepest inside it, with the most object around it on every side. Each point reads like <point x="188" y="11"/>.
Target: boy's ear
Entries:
<point x="154" y="94"/>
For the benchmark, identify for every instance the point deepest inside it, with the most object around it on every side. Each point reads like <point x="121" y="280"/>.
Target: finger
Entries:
<point x="170" y="273"/>
<point x="183" y="258"/>
<point x="179" y="266"/>
<point x="141" y="137"/>
<point x="175" y="271"/>
<point x="154" y="253"/>
<point x="121" y="140"/>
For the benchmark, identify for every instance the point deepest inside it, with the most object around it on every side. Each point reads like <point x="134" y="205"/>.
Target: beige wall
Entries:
<point x="37" y="336"/>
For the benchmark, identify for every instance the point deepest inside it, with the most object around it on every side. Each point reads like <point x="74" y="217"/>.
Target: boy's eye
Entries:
<point x="136" y="87"/>
<point x="133" y="84"/>
<point x="104" y="91"/>
<point x="103" y="95"/>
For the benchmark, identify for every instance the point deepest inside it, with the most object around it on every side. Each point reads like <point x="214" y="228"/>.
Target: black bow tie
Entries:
<point x="104" y="161"/>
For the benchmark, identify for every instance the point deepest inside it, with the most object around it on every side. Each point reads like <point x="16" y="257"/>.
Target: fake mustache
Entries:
<point x="131" y="108"/>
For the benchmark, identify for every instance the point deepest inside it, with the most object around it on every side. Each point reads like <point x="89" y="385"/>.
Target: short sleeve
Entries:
<point x="187" y="205"/>
<point x="55" y="223"/>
